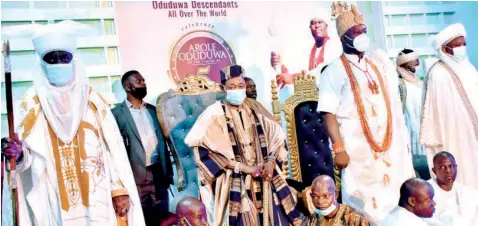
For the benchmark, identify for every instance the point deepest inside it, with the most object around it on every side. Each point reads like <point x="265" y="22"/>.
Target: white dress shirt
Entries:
<point x="144" y="125"/>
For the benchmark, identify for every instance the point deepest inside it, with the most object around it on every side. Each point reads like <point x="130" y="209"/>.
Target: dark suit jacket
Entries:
<point x="161" y="161"/>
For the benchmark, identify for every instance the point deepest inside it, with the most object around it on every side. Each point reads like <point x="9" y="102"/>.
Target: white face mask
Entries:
<point x="360" y="42"/>
<point x="58" y="74"/>
<point x="236" y="96"/>
<point x="459" y="53"/>
<point x="327" y="211"/>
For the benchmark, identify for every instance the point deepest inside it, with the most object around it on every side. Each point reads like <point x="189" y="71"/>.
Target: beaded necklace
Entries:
<point x="387" y="139"/>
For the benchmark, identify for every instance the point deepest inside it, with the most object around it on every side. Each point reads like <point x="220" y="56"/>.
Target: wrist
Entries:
<point x="338" y="147"/>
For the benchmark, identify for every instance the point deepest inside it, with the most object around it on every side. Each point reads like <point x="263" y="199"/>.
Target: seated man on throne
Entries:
<point x="238" y="151"/>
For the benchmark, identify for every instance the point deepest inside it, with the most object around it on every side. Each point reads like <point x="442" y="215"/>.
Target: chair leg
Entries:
<point x="338" y="183"/>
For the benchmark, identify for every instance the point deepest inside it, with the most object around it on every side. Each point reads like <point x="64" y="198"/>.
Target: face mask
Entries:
<point x="459" y="53"/>
<point x="58" y="74"/>
<point x="139" y="93"/>
<point x="327" y="211"/>
<point x="360" y="42"/>
<point x="236" y="96"/>
<point x="187" y="222"/>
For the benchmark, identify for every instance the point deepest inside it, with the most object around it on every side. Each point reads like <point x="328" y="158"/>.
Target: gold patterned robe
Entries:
<point x="73" y="183"/>
<point x="346" y="216"/>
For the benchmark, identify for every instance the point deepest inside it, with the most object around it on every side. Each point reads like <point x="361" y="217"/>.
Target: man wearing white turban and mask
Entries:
<point x="449" y="122"/>
<point x="325" y="49"/>
<point x="73" y="167"/>
<point x="410" y="87"/>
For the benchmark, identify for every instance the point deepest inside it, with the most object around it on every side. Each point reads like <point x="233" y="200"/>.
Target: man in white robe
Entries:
<point x="73" y="168"/>
<point x="415" y="205"/>
<point x="411" y="95"/>
<point x="326" y="48"/>
<point x="359" y="98"/>
<point x="450" y="105"/>
<point x="456" y="204"/>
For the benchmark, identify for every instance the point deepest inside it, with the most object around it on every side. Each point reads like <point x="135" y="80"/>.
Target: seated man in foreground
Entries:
<point x="189" y="212"/>
<point x="238" y="149"/>
<point x="416" y="202"/>
<point x="456" y="204"/>
<point x="323" y="194"/>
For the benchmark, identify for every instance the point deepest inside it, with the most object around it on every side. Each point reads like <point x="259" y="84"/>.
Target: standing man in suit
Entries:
<point x="146" y="146"/>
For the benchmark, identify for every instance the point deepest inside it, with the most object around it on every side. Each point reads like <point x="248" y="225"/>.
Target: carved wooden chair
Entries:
<point x="177" y="111"/>
<point x="307" y="137"/>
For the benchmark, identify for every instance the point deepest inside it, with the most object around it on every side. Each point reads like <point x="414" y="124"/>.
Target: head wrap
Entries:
<point x="64" y="116"/>
<point x="406" y="57"/>
<point x="51" y="37"/>
<point x="346" y="18"/>
<point x="319" y="14"/>
<point x="231" y="71"/>
<point x="447" y="34"/>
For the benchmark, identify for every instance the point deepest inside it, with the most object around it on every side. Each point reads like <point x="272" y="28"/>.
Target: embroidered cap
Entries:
<point x="231" y="71"/>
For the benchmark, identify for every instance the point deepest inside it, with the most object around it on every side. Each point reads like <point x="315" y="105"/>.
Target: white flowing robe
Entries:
<point x="412" y="114"/>
<point x="400" y="216"/>
<point x="447" y="121"/>
<point x="105" y="162"/>
<point x="364" y="185"/>
<point x="456" y="207"/>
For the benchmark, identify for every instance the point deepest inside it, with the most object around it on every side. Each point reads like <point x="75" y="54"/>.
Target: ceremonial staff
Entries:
<point x="13" y="163"/>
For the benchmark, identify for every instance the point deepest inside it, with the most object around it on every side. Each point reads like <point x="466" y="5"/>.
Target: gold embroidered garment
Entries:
<point x="346" y="216"/>
<point x="73" y="183"/>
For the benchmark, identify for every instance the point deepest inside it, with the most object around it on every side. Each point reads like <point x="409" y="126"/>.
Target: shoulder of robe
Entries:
<point x="29" y="101"/>
<point x="438" y="72"/>
<point x="333" y="50"/>
<point x="29" y="111"/>
<point x="213" y="111"/>
<point x="335" y="67"/>
<point x="98" y="101"/>
<point x="380" y="58"/>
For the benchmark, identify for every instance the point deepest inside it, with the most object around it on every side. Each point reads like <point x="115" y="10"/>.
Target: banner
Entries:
<point x="168" y="40"/>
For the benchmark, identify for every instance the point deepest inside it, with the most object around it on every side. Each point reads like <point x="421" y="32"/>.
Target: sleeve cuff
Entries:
<point x="119" y="192"/>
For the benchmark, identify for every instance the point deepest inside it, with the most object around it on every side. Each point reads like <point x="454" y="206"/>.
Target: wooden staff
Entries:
<point x="13" y="163"/>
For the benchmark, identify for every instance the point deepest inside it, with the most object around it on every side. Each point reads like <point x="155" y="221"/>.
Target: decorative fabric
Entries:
<point x="347" y="19"/>
<point x="370" y="185"/>
<point x="346" y="216"/>
<point x="235" y="198"/>
<point x="102" y="163"/>
<point x="231" y="72"/>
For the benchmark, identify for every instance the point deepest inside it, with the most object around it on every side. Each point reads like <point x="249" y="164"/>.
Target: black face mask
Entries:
<point x="139" y="92"/>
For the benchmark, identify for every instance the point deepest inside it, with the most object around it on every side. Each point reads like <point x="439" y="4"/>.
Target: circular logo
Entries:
<point x="197" y="50"/>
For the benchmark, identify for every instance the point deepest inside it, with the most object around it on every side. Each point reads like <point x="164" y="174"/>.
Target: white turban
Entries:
<point x="50" y="37"/>
<point x="320" y="14"/>
<point x="447" y="34"/>
<point x="326" y="16"/>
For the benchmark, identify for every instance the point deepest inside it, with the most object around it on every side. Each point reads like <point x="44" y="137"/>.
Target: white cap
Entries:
<point x="50" y="37"/>
<point x="447" y="34"/>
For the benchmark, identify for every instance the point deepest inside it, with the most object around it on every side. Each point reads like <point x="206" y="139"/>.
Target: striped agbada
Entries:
<point x="247" y="134"/>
